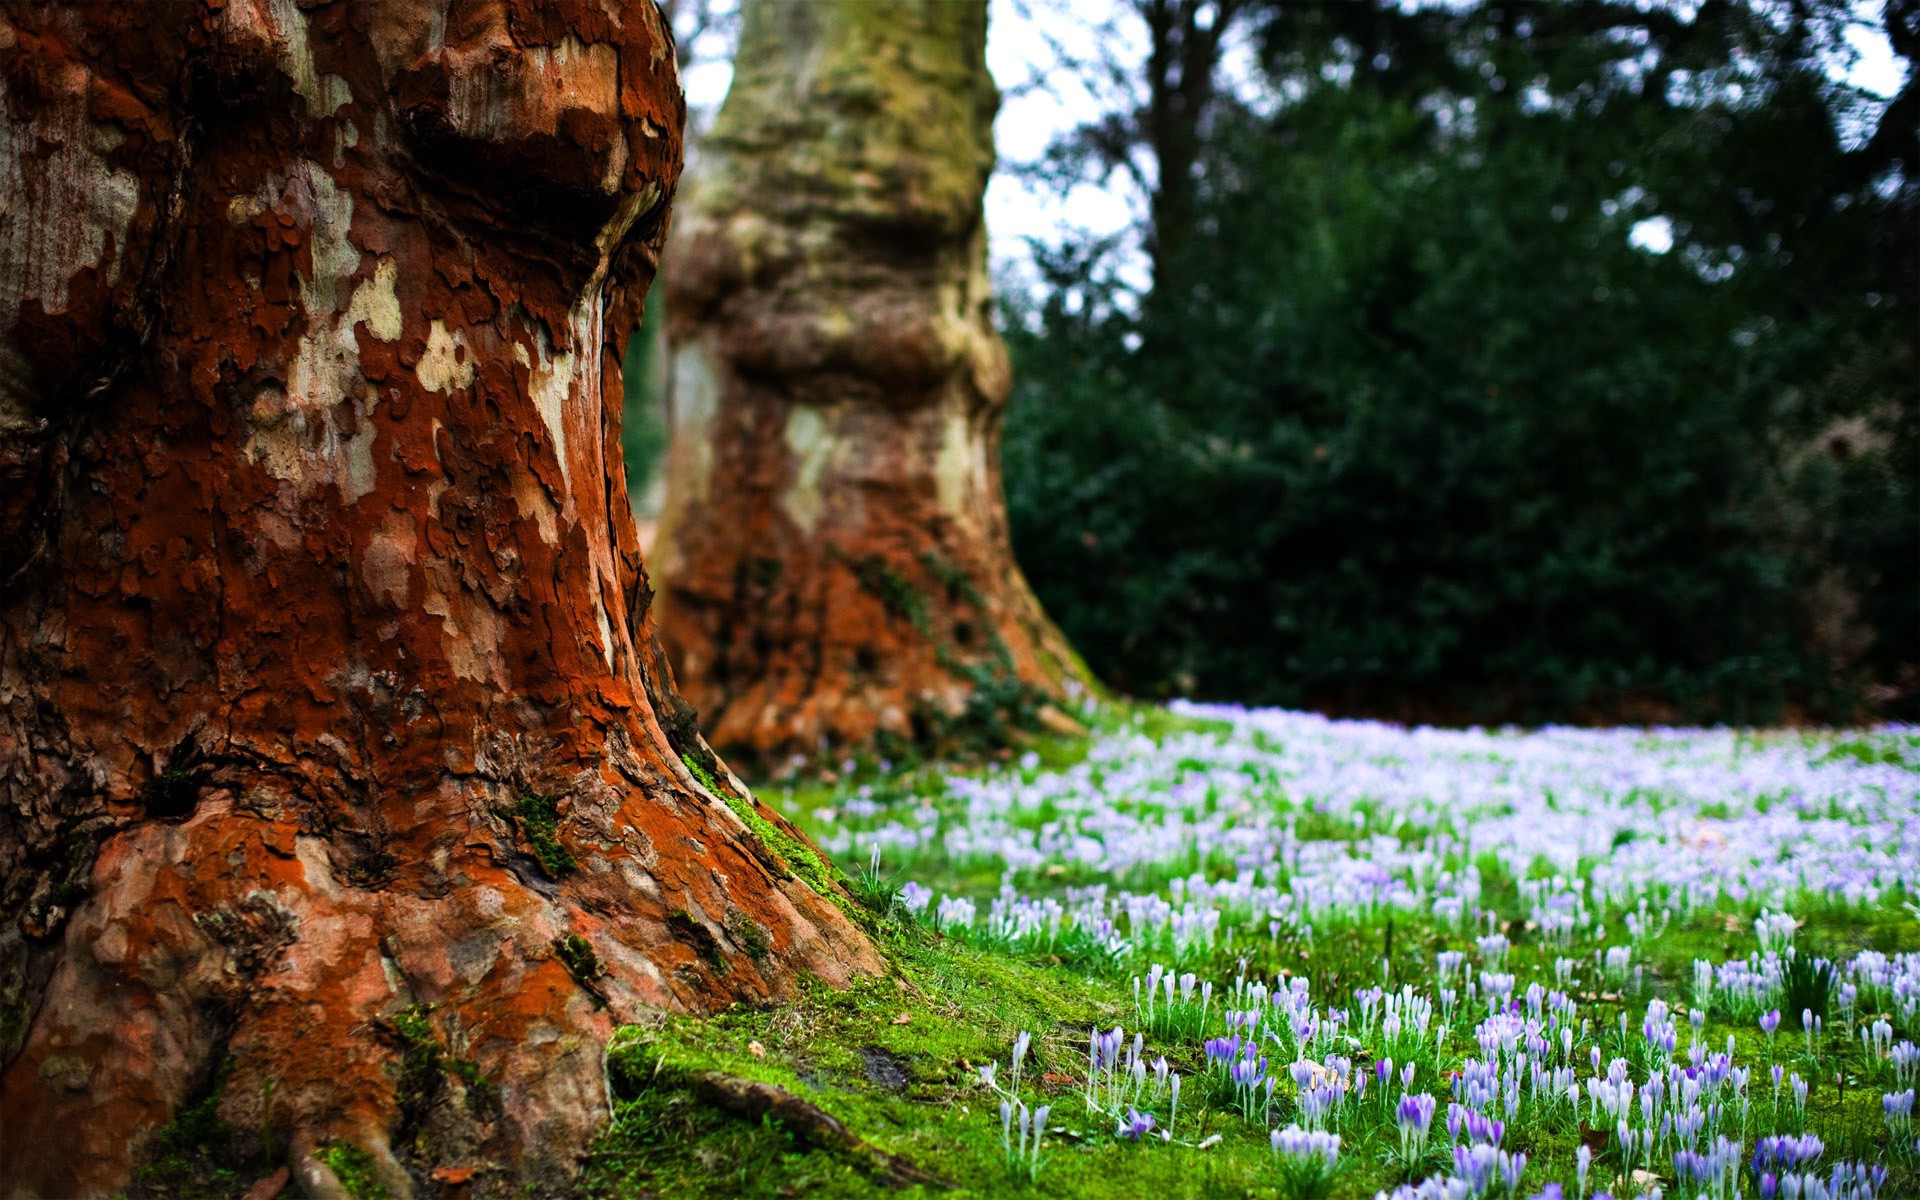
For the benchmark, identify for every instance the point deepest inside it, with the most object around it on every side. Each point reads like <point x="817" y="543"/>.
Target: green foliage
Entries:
<point x="539" y="818"/>
<point x="353" y="1167"/>
<point x="877" y="892"/>
<point x="749" y="936"/>
<point x="1895" y="751"/>
<point x="1426" y="433"/>
<point x="1306" y="1179"/>
<point x="643" y="431"/>
<point x="1809" y="984"/>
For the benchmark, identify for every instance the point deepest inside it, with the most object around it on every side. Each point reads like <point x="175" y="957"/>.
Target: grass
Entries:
<point x="897" y="1060"/>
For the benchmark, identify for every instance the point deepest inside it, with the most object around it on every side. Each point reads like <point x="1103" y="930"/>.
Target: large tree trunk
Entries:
<point x="834" y="560"/>
<point x="339" y="768"/>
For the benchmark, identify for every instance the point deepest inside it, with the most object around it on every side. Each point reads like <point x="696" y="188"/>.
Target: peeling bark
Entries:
<point x="834" y="555"/>
<point x="329" y="697"/>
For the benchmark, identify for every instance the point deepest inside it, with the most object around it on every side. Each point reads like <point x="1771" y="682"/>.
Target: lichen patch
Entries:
<point x="446" y="364"/>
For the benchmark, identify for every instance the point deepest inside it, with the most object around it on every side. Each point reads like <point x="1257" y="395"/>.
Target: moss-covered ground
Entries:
<point x="897" y="1060"/>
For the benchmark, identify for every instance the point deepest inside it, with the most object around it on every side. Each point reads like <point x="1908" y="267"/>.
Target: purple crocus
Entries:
<point x="1414" y="1116"/>
<point x="1511" y="1167"/>
<point x="1415" y="1112"/>
<point x="1221" y="1050"/>
<point x="1305" y="1145"/>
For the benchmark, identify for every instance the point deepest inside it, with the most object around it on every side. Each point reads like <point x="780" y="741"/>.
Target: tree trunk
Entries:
<point x="341" y="776"/>
<point x="1183" y="52"/>
<point x="834" y="556"/>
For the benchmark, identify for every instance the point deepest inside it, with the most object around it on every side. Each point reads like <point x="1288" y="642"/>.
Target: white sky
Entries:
<point x="1030" y="48"/>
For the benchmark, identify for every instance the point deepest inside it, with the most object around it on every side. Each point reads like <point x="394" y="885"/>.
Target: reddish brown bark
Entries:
<point x="327" y="685"/>
<point x="834" y="554"/>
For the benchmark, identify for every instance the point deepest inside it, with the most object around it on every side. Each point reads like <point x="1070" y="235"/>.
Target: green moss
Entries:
<point x="748" y="934"/>
<point x="908" y="1087"/>
<point x="956" y="580"/>
<point x="577" y="953"/>
<point x="539" y="819"/>
<point x="421" y="1078"/>
<point x="794" y="854"/>
<point x="425" y="1064"/>
<point x="353" y="1167"/>
<point x="192" y="1157"/>
<point x="468" y="1073"/>
<point x="891" y="588"/>
<point x="71" y="879"/>
<point x="1001" y="707"/>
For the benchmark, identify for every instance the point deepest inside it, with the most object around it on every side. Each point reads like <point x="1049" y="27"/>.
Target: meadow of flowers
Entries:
<point x="1449" y="963"/>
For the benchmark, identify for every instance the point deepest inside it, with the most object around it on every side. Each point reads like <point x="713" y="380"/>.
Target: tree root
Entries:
<point x="317" y="1180"/>
<point x="754" y="1100"/>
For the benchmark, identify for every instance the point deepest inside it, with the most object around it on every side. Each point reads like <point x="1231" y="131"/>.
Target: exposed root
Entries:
<point x="754" y="1100"/>
<point x="372" y="1156"/>
<point x="316" y="1179"/>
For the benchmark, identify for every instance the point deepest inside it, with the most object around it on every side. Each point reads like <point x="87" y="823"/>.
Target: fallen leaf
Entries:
<point x="902" y="1019"/>
<point x="756" y="1049"/>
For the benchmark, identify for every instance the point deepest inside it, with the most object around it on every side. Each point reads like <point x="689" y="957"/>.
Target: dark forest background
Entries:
<point x="1406" y="425"/>
<point x="1406" y="422"/>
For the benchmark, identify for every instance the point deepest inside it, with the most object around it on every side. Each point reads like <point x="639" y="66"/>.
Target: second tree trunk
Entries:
<point x="834" y="555"/>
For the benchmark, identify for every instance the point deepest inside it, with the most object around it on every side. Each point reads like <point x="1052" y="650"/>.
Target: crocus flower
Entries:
<point x="1296" y="1143"/>
<point x="1134" y="1124"/>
